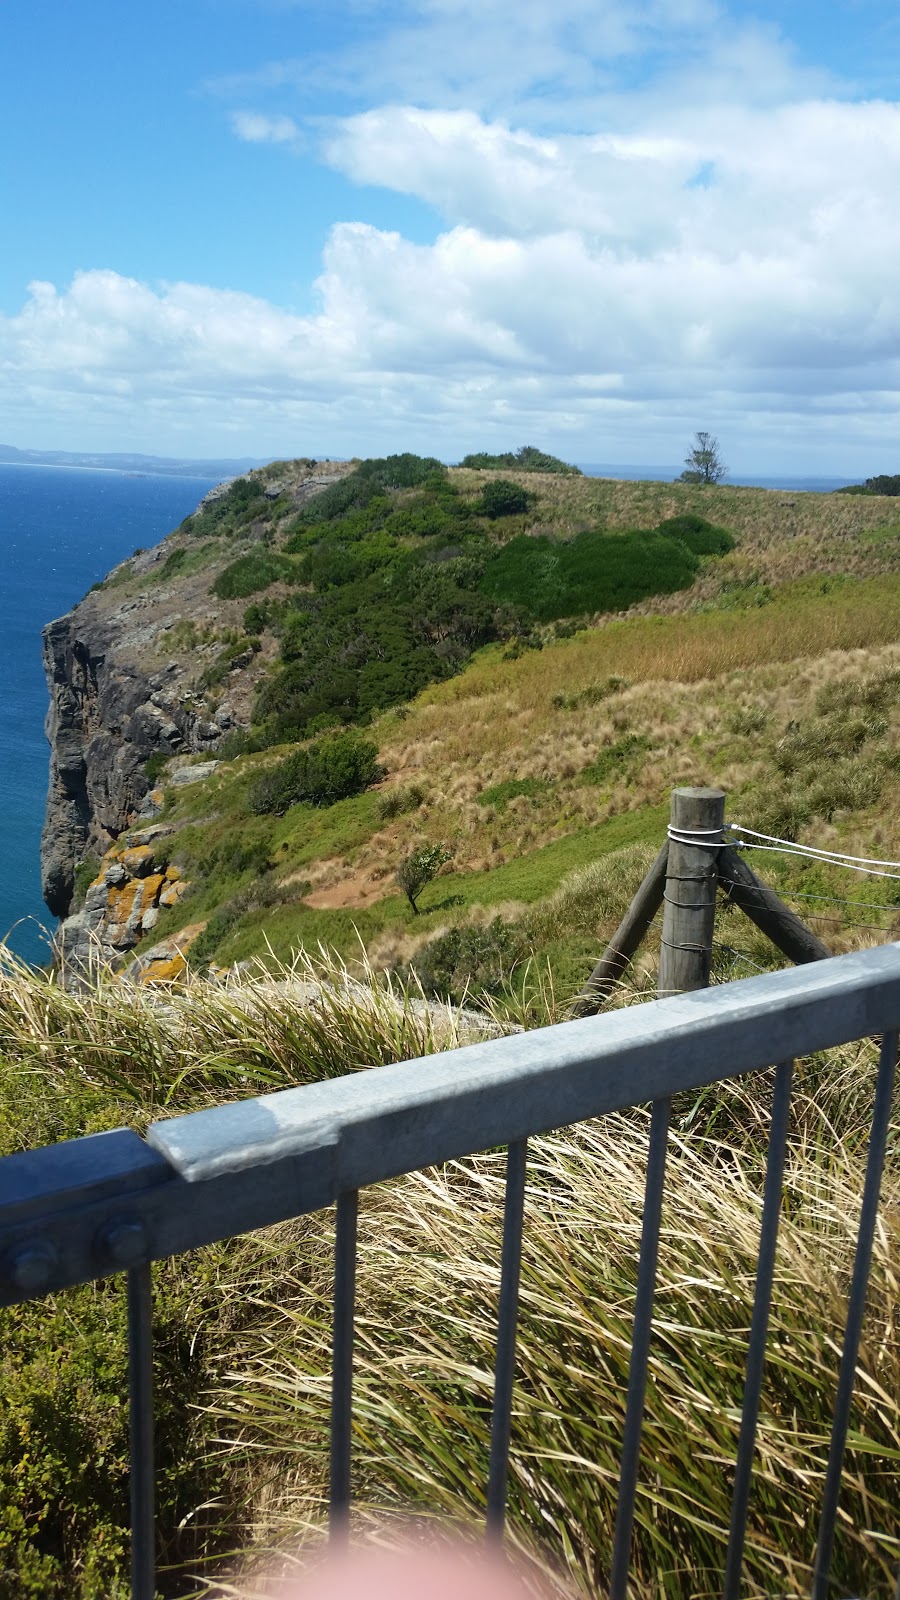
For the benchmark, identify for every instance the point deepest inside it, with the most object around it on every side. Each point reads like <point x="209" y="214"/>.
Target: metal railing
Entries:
<point x="81" y="1210"/>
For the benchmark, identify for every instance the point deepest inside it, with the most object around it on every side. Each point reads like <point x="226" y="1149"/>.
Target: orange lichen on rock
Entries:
<point x="152" y="887"/>
<point x="138" y="860"/>
<point x="122" y="901"/>
<point x="164" y="969"/>
<point x="167" y="961"/>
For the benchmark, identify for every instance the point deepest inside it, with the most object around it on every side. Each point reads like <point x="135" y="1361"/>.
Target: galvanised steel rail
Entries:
<point x="87" y="1208"/>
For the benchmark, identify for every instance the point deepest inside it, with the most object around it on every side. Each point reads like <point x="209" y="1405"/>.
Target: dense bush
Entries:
<point x="402" y="589"/>
<point x="242" y="503"/>
<point x="884" y="483"/>
<point x="368" y="481"/>
<point x="257" y="895"/>
<point x="500" y="794"/>
<point x="329" y="769"/>
<point x="173" y="564"/>
<point x="593" y="572"/>
<point x="503" y="498"/>
<point x="257" y="570"/>
<point x="615" y="758"/>
<point x="527" y="459"/>
<point x="700" y="535"/>
<point x="155" y="765"/>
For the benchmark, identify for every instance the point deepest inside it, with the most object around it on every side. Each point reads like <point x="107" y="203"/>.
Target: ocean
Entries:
<point x="61" y="530"/>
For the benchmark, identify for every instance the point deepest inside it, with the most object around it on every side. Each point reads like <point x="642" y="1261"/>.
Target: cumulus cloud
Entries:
<point x="690" y="255"/>
<point x="255" y="128"/>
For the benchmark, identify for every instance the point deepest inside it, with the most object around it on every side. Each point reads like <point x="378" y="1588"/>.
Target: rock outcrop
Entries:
<point x="135" y="882"/>
<point x="107" y="716"/>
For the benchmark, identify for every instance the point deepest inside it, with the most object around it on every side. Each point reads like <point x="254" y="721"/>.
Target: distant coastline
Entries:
<point x="123" y="462"/>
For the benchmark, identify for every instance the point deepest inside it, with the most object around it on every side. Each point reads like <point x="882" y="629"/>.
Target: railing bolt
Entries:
<point x="31" y="1268"/>
<point x="123" y="1243"/>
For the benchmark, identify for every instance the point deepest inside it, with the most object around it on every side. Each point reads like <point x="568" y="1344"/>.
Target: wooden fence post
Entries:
<point x="625" y="940"/>
<point x="689" y="902"/>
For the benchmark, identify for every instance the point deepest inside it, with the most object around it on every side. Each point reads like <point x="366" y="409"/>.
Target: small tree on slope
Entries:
<point x="419" y="868"/>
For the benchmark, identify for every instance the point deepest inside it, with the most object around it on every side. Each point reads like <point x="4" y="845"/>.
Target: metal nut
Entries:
<point x="31" y="1267"/>
<point x="124" y="1243"/>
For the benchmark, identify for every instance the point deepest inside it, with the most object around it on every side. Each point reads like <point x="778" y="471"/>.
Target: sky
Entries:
<point x="292" y="227"/>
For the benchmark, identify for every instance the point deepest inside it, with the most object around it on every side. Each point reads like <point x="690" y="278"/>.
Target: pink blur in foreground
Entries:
<point x="451" y="1572"/>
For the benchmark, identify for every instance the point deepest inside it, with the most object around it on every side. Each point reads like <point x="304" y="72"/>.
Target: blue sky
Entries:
<point x="261" y="226"/>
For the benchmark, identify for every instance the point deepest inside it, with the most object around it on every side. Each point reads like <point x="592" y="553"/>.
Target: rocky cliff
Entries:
<point x="152" y="664"/>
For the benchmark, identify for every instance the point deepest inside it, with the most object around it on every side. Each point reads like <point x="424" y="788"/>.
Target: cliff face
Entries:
<point x="107" y="716"/>
<point x="153" y="663"/>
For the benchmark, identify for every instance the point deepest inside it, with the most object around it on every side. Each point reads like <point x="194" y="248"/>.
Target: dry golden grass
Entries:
<point x="690" y="679"/>
<point x="759" y="517"/>
<point x="427" y="1293"/>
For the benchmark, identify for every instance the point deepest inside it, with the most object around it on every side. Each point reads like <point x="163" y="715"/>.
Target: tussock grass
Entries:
<point x="245" y="1353"/>
<point x="276" y="1025"/>
<point x="428" y="1282"/>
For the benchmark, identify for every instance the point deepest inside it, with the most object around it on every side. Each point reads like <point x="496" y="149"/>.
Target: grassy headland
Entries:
<point x="538" y="744"/>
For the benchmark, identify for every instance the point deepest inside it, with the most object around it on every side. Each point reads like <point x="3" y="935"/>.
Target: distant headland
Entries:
<point x="167" y="466"/>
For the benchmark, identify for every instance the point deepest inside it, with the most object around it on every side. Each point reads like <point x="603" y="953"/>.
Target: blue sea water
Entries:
<point x="60" y="531"/>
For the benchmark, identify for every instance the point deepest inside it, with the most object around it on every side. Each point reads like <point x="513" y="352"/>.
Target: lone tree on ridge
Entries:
<point x="704" y="463"/>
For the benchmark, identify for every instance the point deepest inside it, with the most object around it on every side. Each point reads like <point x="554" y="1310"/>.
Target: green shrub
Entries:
<point x="155" y="765"/>
<point x="611" y="760"/>
<point x="594" y="572"/>
<point x="329" y="769"/>
<point x="242" y="742"/>
<point x="503" y="498"/>
<point x="250" y="573"/>
<point x="593" y="695"/>
<point x="262" y="893"/>
<point x="173" y="564"/>
<point x="884" y="483"/>
<point x="366" y="482"/>
<point x="469" y="962"/>
<point x="700" y="535"/>
<point x="85" y="873"/>
<point x="527" y="459"/>
<point x="397" y="801"/>
<point x="500" y="794"/>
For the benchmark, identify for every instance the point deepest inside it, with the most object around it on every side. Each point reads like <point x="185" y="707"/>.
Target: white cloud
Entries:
<point x="255" y="128"/>
<point x="718" y="250"/>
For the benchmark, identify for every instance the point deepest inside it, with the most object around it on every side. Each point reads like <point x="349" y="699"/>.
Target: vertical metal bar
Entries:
<point x="756" y="1353"/>
<point x="342" y="1367"/>
<point x="140" y="1407"/>
<point x="640" y="1349"/>
<point x="856" y="1305"/>
<point x="505" y="1367"/>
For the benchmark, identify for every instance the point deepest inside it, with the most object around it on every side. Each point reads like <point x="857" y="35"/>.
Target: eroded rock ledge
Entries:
<point x="107" y="716"/>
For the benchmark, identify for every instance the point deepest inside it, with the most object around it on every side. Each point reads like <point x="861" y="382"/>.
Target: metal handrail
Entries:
<point x="86" y="1208"/>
